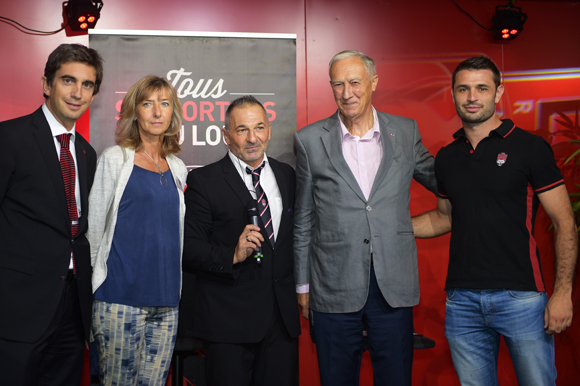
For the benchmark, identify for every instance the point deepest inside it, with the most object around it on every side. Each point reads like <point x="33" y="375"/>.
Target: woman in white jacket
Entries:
<point x="136" y="236"/>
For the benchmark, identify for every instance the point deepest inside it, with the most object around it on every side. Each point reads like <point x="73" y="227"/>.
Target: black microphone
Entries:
<point x="254" y="219"/>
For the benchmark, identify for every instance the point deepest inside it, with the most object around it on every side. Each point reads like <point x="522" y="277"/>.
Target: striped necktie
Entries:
<point x="67" y="166"/>
<point x="262" y="202"/>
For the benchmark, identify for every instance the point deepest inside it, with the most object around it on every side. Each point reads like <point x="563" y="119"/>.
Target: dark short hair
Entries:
<point x="480" y="62"/>
<point x="66" y="53"/>
<point x="246" y="100"/>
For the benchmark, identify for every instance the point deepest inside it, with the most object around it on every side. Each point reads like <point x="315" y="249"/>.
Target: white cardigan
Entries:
<point x="114" y="168"/>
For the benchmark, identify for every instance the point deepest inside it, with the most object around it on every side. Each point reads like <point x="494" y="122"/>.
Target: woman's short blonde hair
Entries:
<point x="127" y="133"/>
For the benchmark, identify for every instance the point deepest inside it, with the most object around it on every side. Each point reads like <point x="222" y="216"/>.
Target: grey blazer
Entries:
<point x="335" y="224"/>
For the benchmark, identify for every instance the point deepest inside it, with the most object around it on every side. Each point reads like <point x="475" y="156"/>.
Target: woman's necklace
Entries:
<point x="162" y="178"/>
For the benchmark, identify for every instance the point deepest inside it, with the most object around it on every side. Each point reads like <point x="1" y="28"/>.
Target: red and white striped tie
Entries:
<point x="262" y="202"/>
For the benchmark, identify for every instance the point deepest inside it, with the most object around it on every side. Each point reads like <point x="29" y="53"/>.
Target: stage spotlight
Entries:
<point x="508" y="23"/>
<point x="83" y="14"/>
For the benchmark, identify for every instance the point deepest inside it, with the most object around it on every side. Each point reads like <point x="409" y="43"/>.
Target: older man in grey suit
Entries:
<point x="354" y="246"/>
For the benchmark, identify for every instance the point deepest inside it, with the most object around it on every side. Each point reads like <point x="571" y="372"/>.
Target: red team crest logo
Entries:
<point x="501" y="158"/>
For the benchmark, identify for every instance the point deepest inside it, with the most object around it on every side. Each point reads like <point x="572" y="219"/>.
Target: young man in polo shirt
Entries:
<point x="494" y="176"/>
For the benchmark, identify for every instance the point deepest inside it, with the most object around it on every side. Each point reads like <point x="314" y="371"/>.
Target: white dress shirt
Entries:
<point x="269" y="185"/>
<point x="57" y="129"/>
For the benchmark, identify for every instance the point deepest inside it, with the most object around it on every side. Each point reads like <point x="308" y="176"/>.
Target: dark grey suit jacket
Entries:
<point x="335" y="224"/>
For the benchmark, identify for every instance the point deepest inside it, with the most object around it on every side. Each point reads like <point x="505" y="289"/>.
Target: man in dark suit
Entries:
<point x="356" y="258"/>
<point x="45" y="272"/>
<point x="245" y="308"/>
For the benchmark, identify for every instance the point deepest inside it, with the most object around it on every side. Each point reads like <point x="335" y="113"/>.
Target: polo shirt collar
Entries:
<point x="503" y="130"/>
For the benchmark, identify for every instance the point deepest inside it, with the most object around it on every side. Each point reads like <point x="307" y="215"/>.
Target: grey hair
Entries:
<point x="368" y="62"/>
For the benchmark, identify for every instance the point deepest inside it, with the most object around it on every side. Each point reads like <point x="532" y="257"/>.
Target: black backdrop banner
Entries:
<point x="208" y="71"/>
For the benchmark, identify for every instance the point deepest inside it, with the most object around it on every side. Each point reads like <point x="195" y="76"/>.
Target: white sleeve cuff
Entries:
<point x="302" y="288"/>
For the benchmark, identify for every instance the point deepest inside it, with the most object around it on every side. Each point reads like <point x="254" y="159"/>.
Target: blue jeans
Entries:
<point x="474" y="321"/>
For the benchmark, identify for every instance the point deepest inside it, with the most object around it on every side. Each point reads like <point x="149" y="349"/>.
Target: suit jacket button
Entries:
<point x="275" y="280"/>
<point x="369" y="208"/>
<point x="367" y="241"/>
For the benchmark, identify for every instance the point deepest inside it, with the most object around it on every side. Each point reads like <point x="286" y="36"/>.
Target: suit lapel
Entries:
<point x="333" y="145"/>
<point x="283" y="188"/>
<point x="234" y="180"/>
<point x="81" y="155"/>
<point x="240" y="189"/>
<point x="45" y="142"/>
<point x="388" y="135"/>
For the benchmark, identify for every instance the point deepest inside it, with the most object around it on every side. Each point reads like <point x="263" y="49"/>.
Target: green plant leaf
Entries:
<point x="572" y="156"/>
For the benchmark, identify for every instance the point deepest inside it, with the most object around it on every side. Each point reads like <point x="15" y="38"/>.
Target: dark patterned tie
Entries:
<point x="262" y="202"/>
<point x="67" y="166"/>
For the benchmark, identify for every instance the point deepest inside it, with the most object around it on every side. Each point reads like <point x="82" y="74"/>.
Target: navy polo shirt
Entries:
<point x="493" y="192"/>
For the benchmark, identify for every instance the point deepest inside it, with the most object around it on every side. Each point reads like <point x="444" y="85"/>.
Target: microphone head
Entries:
<point x="252" y="208"/>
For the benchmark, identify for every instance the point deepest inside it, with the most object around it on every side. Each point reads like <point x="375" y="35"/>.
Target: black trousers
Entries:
<point x="271" y="361"/>
<point x="57" y="357"/>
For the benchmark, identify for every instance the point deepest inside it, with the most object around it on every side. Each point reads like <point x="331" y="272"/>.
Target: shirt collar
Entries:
<point x="374" y="132"/>
<point x="241" y="165"/>
<point x="55" y="126"/>
<point x="503" y="130"/>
